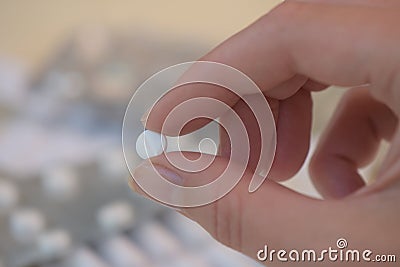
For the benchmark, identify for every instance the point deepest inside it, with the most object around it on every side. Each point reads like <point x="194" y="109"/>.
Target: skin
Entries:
<point x="298" y="48"/>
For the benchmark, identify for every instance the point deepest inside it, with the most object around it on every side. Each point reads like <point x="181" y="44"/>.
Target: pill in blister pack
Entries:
<point x="26" y="225"/>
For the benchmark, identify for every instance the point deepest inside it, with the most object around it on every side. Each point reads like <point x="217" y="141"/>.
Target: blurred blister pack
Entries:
<point x="64" y="198"/>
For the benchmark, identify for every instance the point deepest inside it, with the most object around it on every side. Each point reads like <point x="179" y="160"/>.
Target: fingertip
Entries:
<point x="335" y="177"/>
<point x="171" y="112"/>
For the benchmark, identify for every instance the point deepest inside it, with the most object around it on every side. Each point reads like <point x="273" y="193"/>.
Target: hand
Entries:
<point x="297" y="48"/>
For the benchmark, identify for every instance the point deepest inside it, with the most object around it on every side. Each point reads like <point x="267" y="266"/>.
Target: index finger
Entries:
<point x="331" y="44"/>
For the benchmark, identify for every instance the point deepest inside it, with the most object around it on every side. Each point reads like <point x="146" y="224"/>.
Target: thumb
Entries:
<point x="273" y="215"/>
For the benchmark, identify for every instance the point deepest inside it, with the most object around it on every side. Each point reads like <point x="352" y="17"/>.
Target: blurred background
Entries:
<point x="67" y="72"/>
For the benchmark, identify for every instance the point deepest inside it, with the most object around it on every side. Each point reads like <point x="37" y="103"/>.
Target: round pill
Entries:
<point x="26" y="225"/>
<point x="150" y="144"/>
<point x="60" y="182"/>
<point x="117" y="216"/>
<point x="54" y="244"/>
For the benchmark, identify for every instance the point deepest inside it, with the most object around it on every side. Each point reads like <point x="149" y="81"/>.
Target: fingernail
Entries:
<point x="145" y="116"/>
<point x="169" y="174"/>
<point x="149" y="169"/>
